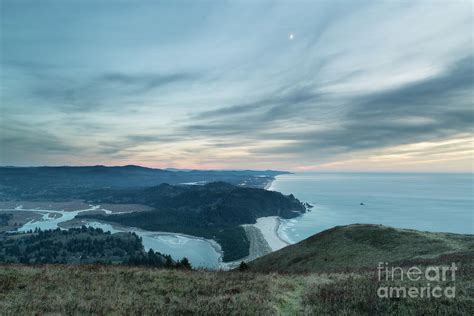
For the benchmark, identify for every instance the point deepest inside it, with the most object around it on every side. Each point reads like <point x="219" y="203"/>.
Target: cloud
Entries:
<point x="104" y="91"/>
<point x="220" y="83"/>
<point x="390" y="118"/>
<point x="144" y="82"/>
<point x="21" y="144"/>
<point x="435" y="107"/>
<point x="272" y="105"/>
<point x="130" y="142"/>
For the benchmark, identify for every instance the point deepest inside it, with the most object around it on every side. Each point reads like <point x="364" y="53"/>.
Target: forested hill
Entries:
<point x="78" y="246"/>
<point x="215" y="210"/>
<point x="61" y="183"/>
<point x="217" y="203"/>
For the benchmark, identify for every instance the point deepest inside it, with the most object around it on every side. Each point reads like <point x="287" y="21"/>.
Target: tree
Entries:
<point x="169" y="262"/>
<point x="184" y="263"/>
<point x="243" y="266"/>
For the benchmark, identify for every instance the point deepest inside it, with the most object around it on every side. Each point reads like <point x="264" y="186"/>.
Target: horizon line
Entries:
<point x="246" y="169"/>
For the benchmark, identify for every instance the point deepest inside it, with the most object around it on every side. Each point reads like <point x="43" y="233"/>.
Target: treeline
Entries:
<point x="83" y="245"/>
<point x="155" y="259"/>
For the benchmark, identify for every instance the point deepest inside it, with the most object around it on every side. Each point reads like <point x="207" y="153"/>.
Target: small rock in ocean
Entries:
<point x="362" y="203"/>
<point x="308" y="206"/>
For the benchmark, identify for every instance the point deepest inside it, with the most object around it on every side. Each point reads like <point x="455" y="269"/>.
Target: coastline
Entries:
<point x="268" y="185"/>
<point x="264" y="239"/>
<point x="269" y="227"/>
<point x="264" y="234"/>
<point x="258" y="248"/>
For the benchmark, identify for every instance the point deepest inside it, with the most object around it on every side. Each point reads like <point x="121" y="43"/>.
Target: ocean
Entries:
<point x="422" y="201"/>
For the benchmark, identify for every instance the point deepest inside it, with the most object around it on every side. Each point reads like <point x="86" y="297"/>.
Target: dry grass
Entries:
<point x="362" y="246"/>
<point x="130" y="291"/>
<point x="115" y="290"/>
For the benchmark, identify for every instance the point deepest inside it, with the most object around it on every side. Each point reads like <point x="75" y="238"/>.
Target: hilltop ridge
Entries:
<point x="363" y="246"/>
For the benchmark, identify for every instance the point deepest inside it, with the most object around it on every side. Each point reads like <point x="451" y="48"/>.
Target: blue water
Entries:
<point x="428" y="202"/>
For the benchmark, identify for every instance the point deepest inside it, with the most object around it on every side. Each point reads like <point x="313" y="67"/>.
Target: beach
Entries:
<point x="263" y="237"/>
<point x="264" y="234"/>
<point x="268" y="226"/>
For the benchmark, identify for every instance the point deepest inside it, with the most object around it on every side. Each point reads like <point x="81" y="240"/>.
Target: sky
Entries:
<point x="289" y="85"/>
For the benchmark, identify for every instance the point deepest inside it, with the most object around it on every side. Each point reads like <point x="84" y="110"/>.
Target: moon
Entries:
<point x="291" y="36"/>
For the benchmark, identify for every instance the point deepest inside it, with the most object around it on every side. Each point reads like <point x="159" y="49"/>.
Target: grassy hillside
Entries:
<point x="362" y="246"/>
<point x="112" y="290"/>
<point x="354" y="250"/>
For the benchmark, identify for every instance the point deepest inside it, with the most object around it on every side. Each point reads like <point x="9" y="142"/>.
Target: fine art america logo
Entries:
<point x="429" y="282"/>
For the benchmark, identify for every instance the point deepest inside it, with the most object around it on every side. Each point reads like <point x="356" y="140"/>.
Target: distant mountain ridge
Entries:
<point x="65" y="181"/>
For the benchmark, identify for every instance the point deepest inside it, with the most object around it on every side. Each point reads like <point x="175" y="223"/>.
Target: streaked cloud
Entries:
<point x="221" y="84"/>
